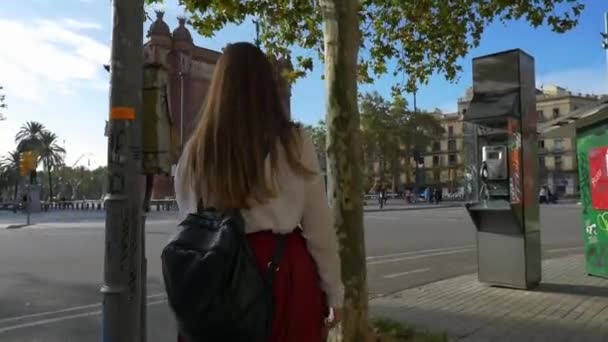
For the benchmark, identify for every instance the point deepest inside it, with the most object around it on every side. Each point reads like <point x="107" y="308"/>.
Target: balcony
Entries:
<point x="559" y="168"/>
<point x="443" y="165"/>
<point x="558" y="149"/>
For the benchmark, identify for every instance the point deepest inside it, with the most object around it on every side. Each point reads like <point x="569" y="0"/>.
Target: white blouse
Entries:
<point x="300" y="201"/>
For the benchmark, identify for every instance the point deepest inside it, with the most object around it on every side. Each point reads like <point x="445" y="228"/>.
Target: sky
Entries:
<point x="53" y="51"/>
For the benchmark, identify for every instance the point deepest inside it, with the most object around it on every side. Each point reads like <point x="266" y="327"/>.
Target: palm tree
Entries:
<point x="29" y="138"/>
<point x="9" y="167"/>
<point x="51" y="155"/>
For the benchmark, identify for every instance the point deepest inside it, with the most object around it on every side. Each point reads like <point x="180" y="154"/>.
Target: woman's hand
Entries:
<point x="335" y="317"/>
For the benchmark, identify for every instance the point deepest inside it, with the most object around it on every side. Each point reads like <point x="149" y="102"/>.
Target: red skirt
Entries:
<point x="299" y="303"/>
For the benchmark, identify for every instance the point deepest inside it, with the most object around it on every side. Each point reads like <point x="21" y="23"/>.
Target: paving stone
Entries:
<point x="568" y="306"/>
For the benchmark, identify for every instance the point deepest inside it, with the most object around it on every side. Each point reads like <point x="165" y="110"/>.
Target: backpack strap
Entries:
<point x="200" y="205"/>
<point x="275" y="260"/>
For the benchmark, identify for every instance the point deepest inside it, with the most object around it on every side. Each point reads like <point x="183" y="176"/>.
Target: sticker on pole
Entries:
<point x="598" y="174"/>
<point x="122" y="113"/>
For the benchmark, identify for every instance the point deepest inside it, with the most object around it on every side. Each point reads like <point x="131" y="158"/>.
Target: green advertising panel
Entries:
<point x="592" y="153"/>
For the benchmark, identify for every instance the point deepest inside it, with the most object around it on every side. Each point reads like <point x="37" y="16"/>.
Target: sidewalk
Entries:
<point x="400" y="205"/>
<point x="567" y="306"/>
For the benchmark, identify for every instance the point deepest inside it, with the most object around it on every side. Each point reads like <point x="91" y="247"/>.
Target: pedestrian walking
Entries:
<point x="543" y="195"/>
<point x="245" y="153"/>
<point x="437" y="195"/>
<point x="381" y="196"/>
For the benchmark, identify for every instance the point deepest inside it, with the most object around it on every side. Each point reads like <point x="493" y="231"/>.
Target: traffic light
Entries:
<point x="604" y="40"/>
<point x="27" y="162"/>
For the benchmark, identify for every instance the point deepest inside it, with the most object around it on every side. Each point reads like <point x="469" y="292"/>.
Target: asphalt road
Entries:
<point x="50" y="273"/>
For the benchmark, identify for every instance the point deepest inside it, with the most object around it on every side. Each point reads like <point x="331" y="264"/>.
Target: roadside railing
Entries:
<point x="159" y="205"/>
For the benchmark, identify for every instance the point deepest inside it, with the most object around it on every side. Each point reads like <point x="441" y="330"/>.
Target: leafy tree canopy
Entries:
<point x="420" y="37"/>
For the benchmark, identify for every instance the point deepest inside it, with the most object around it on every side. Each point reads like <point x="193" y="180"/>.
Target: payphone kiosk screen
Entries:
<point x="493" y="155"/>
<point x="598" y="175"/>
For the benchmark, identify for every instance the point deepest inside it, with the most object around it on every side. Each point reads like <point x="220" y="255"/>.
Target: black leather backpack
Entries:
<point x="213" y="284"/>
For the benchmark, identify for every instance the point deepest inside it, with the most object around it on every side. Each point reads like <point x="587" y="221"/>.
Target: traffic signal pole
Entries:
<point x="123" y="297"/>
<point x="28" y="207"/>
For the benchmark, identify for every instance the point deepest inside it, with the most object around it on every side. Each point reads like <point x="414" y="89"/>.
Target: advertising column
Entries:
<point x="592" y="146"/>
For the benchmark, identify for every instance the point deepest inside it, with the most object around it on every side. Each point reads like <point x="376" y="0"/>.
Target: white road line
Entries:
<point x="70" y="309"/>
<point x="395" y="275"/>
<point x="389" y="218"/>
<point x="418" y="252"/>
<point x="555" y="250"/>
<point x="412" y="257"/>
<point x="60" y="319"/>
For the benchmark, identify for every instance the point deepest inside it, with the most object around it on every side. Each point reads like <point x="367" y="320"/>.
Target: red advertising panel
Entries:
<point x="598" y="176"/>
<point x="514" y="161"/>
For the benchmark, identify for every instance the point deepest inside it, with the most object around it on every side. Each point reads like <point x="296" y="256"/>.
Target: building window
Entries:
<point x="541" y="162"/>
<point x="437" y="176"/>
<point x="435" y="160"/>
<point x="558" y="144"/>
<point x="541" y="144"/>
<point x="555" y="113"/>
<point x="451" y="145"/>
<point x="540" y="115"/>
<point x="558" y="163"/>
<point x="436" y="146"/>
<point x="450" y="131"/>
<point x="452" y="159"/>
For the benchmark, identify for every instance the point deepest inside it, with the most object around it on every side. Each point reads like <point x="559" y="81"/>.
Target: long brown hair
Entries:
<point x="240" y="125"/>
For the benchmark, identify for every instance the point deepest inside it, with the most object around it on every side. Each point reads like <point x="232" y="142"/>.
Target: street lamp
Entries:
<point x="181" y="107"/>
<point x="605" y="36"/>
<point x="605" y="33"/>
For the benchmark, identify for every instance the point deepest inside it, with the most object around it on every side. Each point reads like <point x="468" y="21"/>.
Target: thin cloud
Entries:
<point x="70" y="23"/>
<point x="48" y="56"/>
<point x="448" y="108"/>
<point x="581" y="80"/>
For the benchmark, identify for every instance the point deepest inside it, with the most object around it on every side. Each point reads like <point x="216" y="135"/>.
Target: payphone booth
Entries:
<point x="501" y="169"/>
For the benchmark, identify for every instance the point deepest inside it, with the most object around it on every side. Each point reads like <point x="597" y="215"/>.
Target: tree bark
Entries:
<point x="395" y="171"/>
<point x="16" y="192"/>
<point x="407" y="167"/>
<point x="48" y="170"/>
<point x="342" y="37"/>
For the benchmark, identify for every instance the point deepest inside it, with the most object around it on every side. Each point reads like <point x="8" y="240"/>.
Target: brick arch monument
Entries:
<point x="188" y="69"/>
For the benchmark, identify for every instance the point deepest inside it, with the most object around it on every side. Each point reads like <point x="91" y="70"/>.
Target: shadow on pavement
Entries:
<point x="573" y="289"/>
<point x="489" y="325"/>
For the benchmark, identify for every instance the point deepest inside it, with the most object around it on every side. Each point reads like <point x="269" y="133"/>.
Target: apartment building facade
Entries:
<point x="443" y="160"/>
<point x="557" y="155"/>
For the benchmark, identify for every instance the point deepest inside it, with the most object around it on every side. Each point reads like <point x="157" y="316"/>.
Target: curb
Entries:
<point x="17" y="226"/>
<point x="455" y="205"/>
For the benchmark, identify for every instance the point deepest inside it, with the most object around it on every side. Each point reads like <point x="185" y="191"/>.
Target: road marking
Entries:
<point x="390" y="218"/>
<point x="395" y="275"/>
<point x="555" y="250"/>
<point x="412" y="257"/>
<point x="61" y="319"/>
<point x="419" y="252"/>
<point x="70" y="309"/>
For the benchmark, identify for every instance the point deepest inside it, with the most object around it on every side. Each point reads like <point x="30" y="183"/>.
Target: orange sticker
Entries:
<point x="122" y="113"/>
